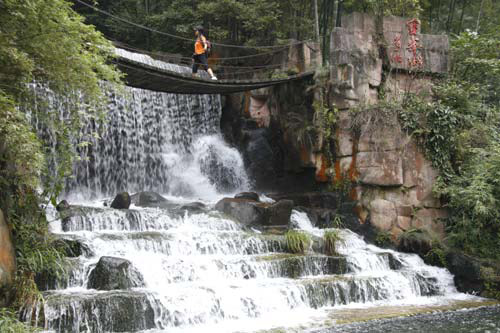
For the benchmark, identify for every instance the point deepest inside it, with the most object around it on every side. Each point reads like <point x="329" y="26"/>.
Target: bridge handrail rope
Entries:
<point x="143" y="64"/>
<point x="126" y="46"/>
<point x="159" y="72"/>
<point x="189" y="59"/>
<point x="180" y="37"/>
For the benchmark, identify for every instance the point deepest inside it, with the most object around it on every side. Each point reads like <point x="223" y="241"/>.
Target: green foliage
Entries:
<point x="459" y="133"/>
<point x="437" y="254"/>
<point x="477" y="58"/>
<point x="301" y="129"/>
<point x="21" y="158"/>
<point x="405" y="8"/>
<point x="337" y="222"/>
<point x="297" y="241"/>
<point x="249" y="22"/>
<point x="331" y="237"/>
<point x="47" y="42"/>
<point x="383" y="239"/>
<point x="10" y="324"/>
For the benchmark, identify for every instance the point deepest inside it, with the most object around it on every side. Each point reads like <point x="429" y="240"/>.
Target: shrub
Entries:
<point x="297" y="241"/>
<point x="10" y="324"/>
<point x="383" y="239"/>
<point x="331" y="237"/>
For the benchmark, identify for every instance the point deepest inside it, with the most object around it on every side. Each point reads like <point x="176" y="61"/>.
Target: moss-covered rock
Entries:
<point x="115" y="311"/>
<point x="121" y="201"/>
<point x="113" y="273"/>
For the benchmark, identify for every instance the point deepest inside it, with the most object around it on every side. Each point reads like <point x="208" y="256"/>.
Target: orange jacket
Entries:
<point x="199" y="46"/>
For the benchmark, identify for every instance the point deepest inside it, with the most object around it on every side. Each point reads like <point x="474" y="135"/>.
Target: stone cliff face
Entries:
<point x="7" y="262"/>
<point x="371" y="63"/>
<point x="391" y="180"/>
<point x="265" y="126"/>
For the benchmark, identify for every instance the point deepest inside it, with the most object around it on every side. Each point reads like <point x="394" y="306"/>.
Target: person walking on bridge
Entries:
<point x="200" y="56"/>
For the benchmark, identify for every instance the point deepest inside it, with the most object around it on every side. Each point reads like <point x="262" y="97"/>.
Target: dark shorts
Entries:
<point x="200" y="60"/>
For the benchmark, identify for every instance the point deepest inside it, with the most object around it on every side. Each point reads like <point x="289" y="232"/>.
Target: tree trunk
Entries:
<point x="479" y="15"/>
<point x="451" y="12"/>
<point x="316" y="21"/>
<point x="339" y="13"/>
<point x="464" y="4"/>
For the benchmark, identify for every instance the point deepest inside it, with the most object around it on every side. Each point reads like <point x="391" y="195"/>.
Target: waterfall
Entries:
<point x="154" y="141"/>
<point x="199" y="271"/>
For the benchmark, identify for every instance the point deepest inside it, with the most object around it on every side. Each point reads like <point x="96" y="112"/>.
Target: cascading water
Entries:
<point x="151" y="141"/>
<point x="200" y="271"/>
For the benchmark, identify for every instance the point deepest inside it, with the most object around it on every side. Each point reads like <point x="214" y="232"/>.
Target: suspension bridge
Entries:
<point x="143" y="71"/>
<point x="157" y="76"/>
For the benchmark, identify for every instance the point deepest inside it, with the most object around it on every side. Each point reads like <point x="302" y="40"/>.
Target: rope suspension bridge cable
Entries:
<point x="188" y="59"/>
<point x="283" y="48"/>
<point x="138" y="25"/>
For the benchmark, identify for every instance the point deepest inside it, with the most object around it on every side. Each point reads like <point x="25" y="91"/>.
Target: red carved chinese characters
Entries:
<point x="396" y="52"/>
<point x="415" y="60"/>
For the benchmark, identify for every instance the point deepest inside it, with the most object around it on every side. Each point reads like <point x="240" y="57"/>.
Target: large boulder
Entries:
<point x="150" y="199"/>
<point x="113" y="273"/>
<point x="121" y="201"/>
<point x="250" y="212"/>
<point x="466" y="271"/>
<point x="245" y="211"/>
<point x="114" y="311"/>
<point x="280" y="212"/>
<point x="247" y="195"/>
<point x="7" y="262"/>
<point x="62" y="206"/>
<point x="416" y="241"/>
<point x="327" y="200"/>
<point x="193" y="207"/>
<point x="76" y="218"/>
<point x="74" y="248"/>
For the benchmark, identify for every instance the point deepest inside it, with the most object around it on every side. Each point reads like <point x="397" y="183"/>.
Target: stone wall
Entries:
<point x="394" y="179"/>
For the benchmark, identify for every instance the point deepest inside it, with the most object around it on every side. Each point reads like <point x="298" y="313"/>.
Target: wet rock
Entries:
<point x="51" y="281"/>
<point x="113" y="273"/>
<point x="466" y="271"/>
<point x="325" y="200"/>
<point x="248" y="195"/>
<point x="7" y="263"/>
<point x="250" y="212"/>
<point x="121" y="201"/>
<point x="76" y="215"/>
<point x="74" y="248"/>
<point x="279" y="212"/>
<point x="194" y="207"/>
<point x="299" y="266"/>
<point x="116" y="311"/>
<point x="417" y="241"/>
<point x="245" y="211"/>
<point x="150" y="199"/>
<point x="63" y="205"/>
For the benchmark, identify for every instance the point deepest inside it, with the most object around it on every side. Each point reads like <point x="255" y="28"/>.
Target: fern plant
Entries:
<point x="331" y="237"/>
<point x="297" y="241"/>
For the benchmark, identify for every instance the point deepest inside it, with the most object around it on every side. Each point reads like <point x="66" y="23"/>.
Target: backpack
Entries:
<point x="209" y="46"/>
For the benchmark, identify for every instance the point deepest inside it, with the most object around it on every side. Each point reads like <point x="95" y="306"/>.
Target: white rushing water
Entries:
<point x="205" y="273"/>
<point x="202" y="272"/>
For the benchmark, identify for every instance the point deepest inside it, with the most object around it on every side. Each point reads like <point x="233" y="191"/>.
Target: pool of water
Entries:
<point x="484" y="319"/>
